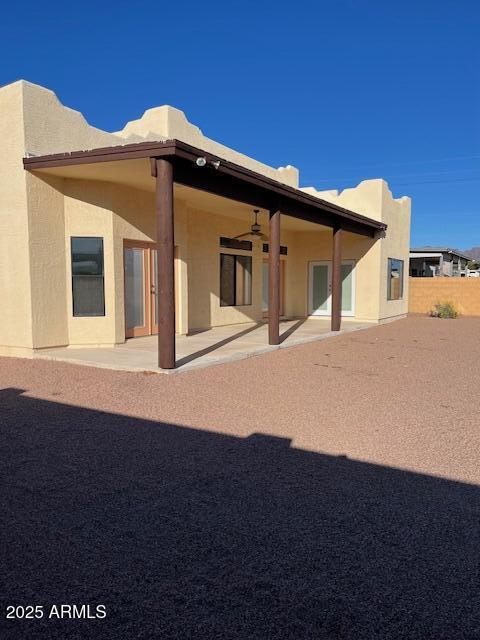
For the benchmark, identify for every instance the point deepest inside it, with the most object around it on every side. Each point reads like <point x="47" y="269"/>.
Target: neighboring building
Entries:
<point x="89" y="255"/>
<point x="427" y="262"/>
<point x="473" y="254"/>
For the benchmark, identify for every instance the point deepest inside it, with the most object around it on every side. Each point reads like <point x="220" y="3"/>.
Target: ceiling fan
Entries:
<point x="255" y="230"/>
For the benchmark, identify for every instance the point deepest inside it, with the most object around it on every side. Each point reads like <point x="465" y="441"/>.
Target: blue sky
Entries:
<point x="344" y="90"/>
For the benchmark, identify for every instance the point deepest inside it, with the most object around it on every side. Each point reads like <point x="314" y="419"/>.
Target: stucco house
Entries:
<point x="428" y="262"/>
<point x="110" y="236"/>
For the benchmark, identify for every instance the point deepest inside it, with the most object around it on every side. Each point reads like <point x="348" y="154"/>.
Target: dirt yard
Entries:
<point x="324" y="491"/>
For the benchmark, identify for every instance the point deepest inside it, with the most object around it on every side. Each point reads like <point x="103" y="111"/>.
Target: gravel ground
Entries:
<point x="324" y="491"/>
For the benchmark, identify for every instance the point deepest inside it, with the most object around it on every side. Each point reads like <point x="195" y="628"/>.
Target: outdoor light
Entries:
<point x="201" y="162"/>
<point x="215" y="164"/>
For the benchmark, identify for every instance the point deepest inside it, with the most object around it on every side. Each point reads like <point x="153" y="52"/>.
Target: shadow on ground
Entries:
<point x="184" y="533"/>
<point x="213" y="347"/>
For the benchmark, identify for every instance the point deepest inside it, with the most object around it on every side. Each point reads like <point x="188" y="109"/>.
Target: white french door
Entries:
<point x="320" y="288"/>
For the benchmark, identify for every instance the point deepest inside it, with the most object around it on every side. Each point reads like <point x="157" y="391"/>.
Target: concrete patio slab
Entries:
<point x="214" y="346"/>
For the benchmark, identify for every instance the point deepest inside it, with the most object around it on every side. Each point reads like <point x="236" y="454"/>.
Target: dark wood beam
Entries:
<point x="337" y="279"/>
<point x="163" y="171"/>
<point x="274" y="279"/>
<point x="221" y="177"/>
<point x="210" y="181"/>
<point x="228" y="186"/>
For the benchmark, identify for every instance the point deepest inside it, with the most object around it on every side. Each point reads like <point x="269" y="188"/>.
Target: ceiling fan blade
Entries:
<point x="264" y="237"/>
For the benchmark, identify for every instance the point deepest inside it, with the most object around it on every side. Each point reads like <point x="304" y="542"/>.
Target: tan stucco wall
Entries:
<point x="36" y="219"/>
<point x="48" y="260"/>
<point x="117" y="213"/>
<point x="33" y="264"/>
<point x="204" y="232"/>
<point x="306" y="247"/>
<point x="374" y="199"/>
<point x="15" y="290"/>
<point x="39" y="214"/>
<point x="396" y="213"/>
<point x="88" y="212"/>
<point x="51" y="127"/>
<point x="166" y="122"/>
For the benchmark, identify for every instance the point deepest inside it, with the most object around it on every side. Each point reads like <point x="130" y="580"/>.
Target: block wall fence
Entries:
<point x="464" y="293"/>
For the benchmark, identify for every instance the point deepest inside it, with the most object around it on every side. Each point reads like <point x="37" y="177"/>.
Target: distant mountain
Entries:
<point x="473" y="253"/>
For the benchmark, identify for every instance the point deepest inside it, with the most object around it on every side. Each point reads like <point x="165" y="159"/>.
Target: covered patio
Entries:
<point x="218" y="345"/>
<point x="160" y="165"/>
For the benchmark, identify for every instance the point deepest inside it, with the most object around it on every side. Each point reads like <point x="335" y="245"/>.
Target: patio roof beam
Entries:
<point x="224" y="178"/>
<point x="259" y="191"/>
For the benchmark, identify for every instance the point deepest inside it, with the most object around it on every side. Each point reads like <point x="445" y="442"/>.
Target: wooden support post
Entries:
<point x="163" y="170"/>
<point x="274" y="279"/>
<point x="337" y="279"/>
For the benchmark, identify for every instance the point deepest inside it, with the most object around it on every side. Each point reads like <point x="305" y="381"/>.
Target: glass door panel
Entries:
<point x="136" y="307"/>
<point x="320" y="288"/>
<point x="347" y="288"/>
<point x="153" y="289"/>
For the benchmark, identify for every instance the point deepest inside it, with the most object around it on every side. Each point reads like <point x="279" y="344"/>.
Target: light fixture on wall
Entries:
<point x="201" y="162"/>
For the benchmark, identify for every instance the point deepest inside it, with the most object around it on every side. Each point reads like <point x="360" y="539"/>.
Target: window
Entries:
<point x="283" y="250"/>
<point x="395" y="279"/>
<point x="235" y="280"/>
<point x="87" y="277"/>
<point x="233" y="243"/>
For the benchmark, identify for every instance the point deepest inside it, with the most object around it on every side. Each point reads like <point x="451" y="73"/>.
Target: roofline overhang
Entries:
<point x="441" y="251"/>
<point x="221" y="177"/>
<point x="458" y="254"/>
<point x="419" y="254"/>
